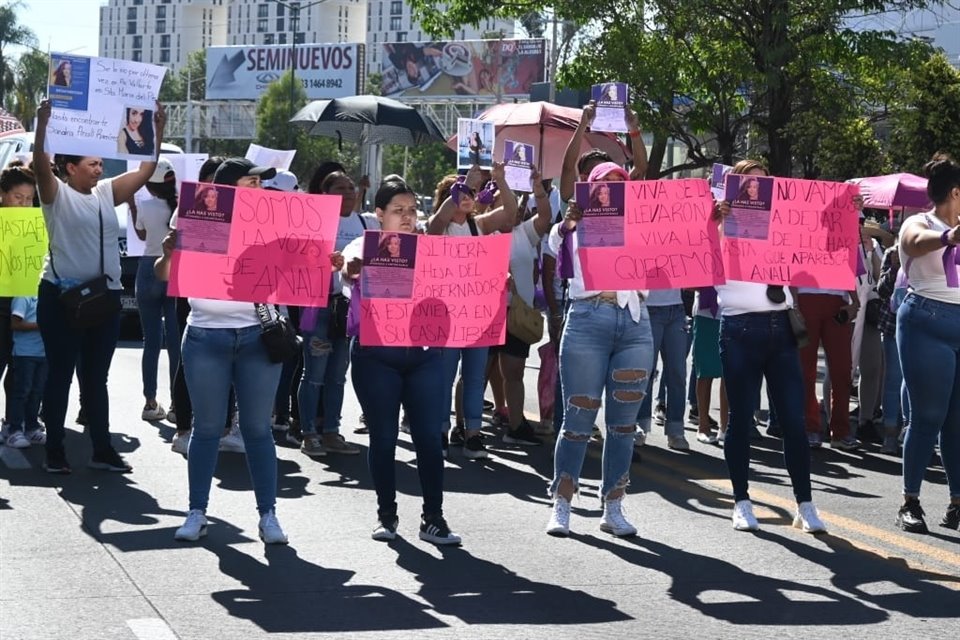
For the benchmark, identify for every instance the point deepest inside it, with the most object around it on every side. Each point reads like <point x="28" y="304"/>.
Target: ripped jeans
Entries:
<point x="602" y="349"/>
<point x="325" y="363"/>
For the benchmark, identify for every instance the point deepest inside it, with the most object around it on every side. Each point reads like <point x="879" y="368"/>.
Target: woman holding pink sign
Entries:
<point x="929" y="342"/>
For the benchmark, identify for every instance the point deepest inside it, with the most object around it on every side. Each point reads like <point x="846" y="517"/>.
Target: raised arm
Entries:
<point x="124" y="186"/>
<point x="569" y="173"/>
<point x="917" y="239"/>
<point x="544" y="212"/>
<point x="637" y="146"/>
<point x="47" y="183"/>
<point x="507" y="213"/>
<point x="438" y="222"/>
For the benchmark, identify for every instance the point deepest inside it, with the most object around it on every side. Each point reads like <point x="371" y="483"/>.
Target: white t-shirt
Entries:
<point x="206" y="313"/>
<point x="349" y="229"/>
<point x="461" y="229"/>
<point x="926" y="273"/>
<point x="523" y="253"/>
<point x="73" y="228"/>
<point x="664" y="298"/>
<point x="353" y="250"/>
<point x="153" y="216"/>
<point x="736" y="297"/>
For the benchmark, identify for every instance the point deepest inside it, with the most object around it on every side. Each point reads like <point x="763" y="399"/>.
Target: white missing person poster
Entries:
<point x="102" y="107"/>
<point x="266" y="157"/>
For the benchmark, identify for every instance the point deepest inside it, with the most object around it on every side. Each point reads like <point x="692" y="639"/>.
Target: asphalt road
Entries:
<point x="92" y="555"/>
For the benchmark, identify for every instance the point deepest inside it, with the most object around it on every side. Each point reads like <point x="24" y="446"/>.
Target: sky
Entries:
<point x="63" y="25"/>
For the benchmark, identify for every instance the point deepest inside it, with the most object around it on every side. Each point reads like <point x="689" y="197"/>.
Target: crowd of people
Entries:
<point x="228" y="394"/>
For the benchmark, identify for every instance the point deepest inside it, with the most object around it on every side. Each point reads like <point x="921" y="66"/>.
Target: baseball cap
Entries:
<point x="606" y="168"/>
<point x="233" y="169"/>
<point x="283" y="181"/>
<point x="163" y="172"/>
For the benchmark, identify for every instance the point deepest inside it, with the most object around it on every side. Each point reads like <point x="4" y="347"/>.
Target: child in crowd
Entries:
<point x="29" y="376"/>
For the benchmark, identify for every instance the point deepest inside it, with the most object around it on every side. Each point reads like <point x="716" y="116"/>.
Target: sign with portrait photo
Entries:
<point x="611" y="102"/>
<point x="102" y="107"/>
<point x="602" y="206"/>
<point x="475" y="140"/>
<point x="751" y="199"/>
<point x="518" y="159"/>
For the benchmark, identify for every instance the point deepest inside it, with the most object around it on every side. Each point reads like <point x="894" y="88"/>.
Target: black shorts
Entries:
<point x="514" y="346"/>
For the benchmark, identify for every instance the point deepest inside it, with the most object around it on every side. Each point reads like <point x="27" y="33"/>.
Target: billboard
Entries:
<point x="244" y="72"/>
<point x="504" y="68"/>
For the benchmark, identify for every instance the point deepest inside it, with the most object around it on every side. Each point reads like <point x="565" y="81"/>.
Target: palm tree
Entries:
<point x="11" y="33"/>
<point x="30" y="84"/>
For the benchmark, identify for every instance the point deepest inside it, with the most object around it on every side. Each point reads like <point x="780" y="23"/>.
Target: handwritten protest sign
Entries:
<point x="186" y="168"/>
<point x="23" y="244"/>
<point x="457" y="290"/>
<point x="102" y="107"/>
<point x="670" y="240"/>
<point x="812" y="237"/>
<point x="611" y="101"/>
<point x="254" y="245"/>
<point x="266" y="157"/>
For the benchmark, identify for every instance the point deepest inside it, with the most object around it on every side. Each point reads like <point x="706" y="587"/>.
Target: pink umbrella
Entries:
<point x="894" y="191"/>
<point x="548" y="128"/>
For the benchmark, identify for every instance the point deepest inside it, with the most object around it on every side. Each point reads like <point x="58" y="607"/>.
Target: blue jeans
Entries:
<point x="754" y="346"/>
<point x="213" y="360"/>
<point x="88" y="352"/>
<point x="325" y="363"/>
<point x="602" y="350"/>
<point x="158" y="319"/>
<point x="670" y="340"/>
<point x="895" y="401"/>
<point x="474" y="373"/>
<point x="930" y="358"/>
<point x="383" y="378"/>
<point x="29" y="378"/>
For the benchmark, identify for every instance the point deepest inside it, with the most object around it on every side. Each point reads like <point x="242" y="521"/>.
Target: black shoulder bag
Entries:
<point x="89" y="303"/>
<point x="278" y="336"/>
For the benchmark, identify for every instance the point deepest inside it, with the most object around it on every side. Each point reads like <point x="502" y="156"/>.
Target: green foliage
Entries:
<point x="374" y="84"/>
<point x="275" y="131"/>
<point x="194" y="73"/>
<point x="29" y="85"/>
<point x="11" y="33"/>
<point x="426" y="164"/>
<point x="928" y="118"/>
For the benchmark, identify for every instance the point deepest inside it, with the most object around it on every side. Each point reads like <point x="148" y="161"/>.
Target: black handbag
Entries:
<point x="871" y="314"/>
<point x="799" y="328"/>
<point x="338" y="306"/>
<point x="278" y="336"/>
<point x="89" y="303"/>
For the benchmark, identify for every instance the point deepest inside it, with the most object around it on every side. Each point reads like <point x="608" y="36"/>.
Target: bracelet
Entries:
<point x="943" y="239"/>
<point x="635" y="134"/>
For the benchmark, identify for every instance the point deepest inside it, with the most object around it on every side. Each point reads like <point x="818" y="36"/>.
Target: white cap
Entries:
<point x="284" y="181"/>
<point x="160" y="173"/>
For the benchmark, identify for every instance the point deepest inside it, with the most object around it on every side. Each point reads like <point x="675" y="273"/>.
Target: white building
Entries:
<point x="392" y="21"/>
<point x="268" y="22"/>
<point x="161" y="31"/>
<point x="940" y="26"/>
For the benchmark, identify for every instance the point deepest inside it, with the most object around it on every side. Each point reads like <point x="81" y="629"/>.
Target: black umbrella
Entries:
<point x="368" y="120"/>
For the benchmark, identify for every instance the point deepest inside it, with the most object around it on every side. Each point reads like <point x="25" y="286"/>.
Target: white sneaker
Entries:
<point x="152" y="414"/>
<point x="743" y="518"/>
<point x="559" y="524"/>
<point x="640" y="438"/>
<point x="613" y="520"/>
<point x="172" y="415"/>
<point x="181" y="442"/>
<point x="678" y="443"/>
<point x="37" y="436"/>
<point x="808" y="519"/>
<point x="233" y="441"/>
<point x="270" y="531"/>
<point x="17" y="440"/>
<point x="194" y="528"/>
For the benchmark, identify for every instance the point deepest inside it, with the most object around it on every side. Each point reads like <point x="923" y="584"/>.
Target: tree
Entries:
<point x="274" y="131"/>
<point x="422" y="166"/>
<point x="11" y="33"/>
<point x="29" y="85"/>
<point x="928" y="119"/>
<point x="194" y="73"/>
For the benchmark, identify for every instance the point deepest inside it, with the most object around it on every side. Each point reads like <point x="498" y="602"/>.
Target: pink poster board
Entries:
<point x="812" y="239"/>
<point x="670" y="240"/>
<point x="458" y="297"/>
<point x="253" y="245"/>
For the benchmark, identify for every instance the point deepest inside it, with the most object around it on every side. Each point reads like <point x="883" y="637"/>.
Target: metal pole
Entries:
<point x="554" y="57"/>
<point x="294" y="25"/>
<point x="188" y="134"/>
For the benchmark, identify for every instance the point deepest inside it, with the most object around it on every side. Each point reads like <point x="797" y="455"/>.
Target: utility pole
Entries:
<point x="188" y="133"/>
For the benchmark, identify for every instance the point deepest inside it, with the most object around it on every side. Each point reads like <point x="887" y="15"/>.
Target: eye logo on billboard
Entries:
<point x="243" y="73"/>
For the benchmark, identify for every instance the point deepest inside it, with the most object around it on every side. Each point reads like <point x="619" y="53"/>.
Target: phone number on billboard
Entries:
<point x="320" y="83"/>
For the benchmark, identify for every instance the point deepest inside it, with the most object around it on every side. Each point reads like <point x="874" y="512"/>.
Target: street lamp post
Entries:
<point x="294" y="8"/>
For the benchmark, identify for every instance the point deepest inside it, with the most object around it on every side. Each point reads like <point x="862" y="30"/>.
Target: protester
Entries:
<point x="929" y="343"/>
<point x="158" y="312"/>
<point x="892" y="288"/>
<point x="29" y="376"/>
<point x="707" y="365"/>
<point x="82" y="230"/>
<point x="457" y="199"/>
<point x="222" y="348"/>
<point x="607" y="345"/>
<point x="756" y="341"/>
<point x="326" y="349"/>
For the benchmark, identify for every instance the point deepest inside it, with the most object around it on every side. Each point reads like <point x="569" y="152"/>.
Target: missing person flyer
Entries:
<point x="611" y="103"/>
<point x="602" y="206"/>
<point x="204" y="217"/>
<point x="518" y="165"/>
<point x="389" y="258"/>
<point x="475" y="140"/>
<point x="751" y="201"/>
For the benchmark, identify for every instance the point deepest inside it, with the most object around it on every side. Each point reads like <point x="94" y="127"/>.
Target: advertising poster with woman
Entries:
<point x="602" y="205"/>
<point x="751" y="200"/>
<point x="611" y="99"/>
<point x="204" y="217"/>
<point x="389" y="259"/>
<point x="475" y="139"/>
<point x="518" y="165"/>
